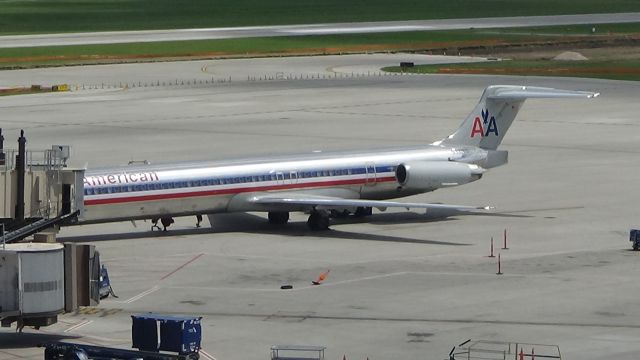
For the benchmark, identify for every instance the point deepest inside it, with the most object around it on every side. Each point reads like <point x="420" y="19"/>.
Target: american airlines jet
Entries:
<point x="320" y="184"/>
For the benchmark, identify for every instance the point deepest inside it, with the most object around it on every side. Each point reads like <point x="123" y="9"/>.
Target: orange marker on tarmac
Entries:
<point x="321" y="278"/>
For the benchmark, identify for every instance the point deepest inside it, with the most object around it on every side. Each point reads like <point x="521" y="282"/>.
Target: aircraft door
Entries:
<point x="293" y="177"/>
<point x="280" y="177"/>
<point x="370" y="170"/>
<point x="66" y="199"/>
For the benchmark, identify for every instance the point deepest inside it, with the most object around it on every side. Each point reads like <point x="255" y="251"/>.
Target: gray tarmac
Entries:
<point x="114" y="37"/>
<point x="401" y="285"/>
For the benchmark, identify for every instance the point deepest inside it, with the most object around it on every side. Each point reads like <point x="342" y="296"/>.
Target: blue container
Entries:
<point x="181" y="334"/>
<point x="105" y="283"/>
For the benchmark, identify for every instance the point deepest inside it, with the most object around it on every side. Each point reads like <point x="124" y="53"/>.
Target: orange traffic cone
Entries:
<point x="321" y="278"/>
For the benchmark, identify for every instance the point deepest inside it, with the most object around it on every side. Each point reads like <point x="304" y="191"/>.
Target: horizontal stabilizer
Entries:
<point x="533" y="92"/>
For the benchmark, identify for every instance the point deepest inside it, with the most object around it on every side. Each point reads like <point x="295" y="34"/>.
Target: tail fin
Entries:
<point x="489" y="121"/>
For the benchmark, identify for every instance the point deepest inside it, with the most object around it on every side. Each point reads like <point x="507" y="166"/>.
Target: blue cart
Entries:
<point x="634" y="237"/>
<point x="180" y="334"/>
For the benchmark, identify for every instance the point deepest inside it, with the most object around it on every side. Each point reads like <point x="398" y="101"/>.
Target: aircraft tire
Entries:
<point x="278" y="217"/>
<point x="362" y="211"/>
<point x="318" y="221"/>
<point x="336" y="214"/>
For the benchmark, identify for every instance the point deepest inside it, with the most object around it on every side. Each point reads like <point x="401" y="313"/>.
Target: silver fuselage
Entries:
<point x="151" y="191"/>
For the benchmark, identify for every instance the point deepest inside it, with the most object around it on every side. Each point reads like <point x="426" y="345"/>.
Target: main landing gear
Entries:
<point x="166" y="222"/>
<point x="318" y="220"/>
<point x="363" y="211"/>
<point x="278" y="217"/>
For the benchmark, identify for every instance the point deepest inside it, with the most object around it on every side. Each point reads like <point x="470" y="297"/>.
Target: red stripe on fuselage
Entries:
<point x="127" y="199"/>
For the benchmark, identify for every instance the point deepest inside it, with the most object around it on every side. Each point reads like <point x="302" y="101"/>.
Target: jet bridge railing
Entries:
<point x="31" y="227"/>
<point x="51" y="159"/>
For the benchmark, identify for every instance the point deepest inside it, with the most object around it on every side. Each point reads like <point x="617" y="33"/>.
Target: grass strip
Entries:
<point x="615" y="70"/>
<point x="55" y="16"/>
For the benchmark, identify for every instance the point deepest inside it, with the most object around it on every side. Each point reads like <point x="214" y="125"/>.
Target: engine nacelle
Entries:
<point x="431" y="175"/>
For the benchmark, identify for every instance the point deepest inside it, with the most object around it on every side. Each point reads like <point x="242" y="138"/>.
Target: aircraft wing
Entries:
<point x="331" y="203"/>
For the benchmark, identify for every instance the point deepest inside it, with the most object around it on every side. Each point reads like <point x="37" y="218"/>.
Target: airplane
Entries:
<point x="320" y="184"/>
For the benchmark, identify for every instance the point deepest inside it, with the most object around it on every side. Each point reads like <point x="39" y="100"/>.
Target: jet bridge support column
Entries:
<point x="2" y="161"/>
<point x="20" y="169"/>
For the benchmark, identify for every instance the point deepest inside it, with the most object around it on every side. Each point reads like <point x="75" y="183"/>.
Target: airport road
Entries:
<point x="401" y="286"/>
<point x="14" y="41"/>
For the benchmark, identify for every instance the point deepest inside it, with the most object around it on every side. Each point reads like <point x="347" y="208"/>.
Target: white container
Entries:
<point x="32" y="279"/>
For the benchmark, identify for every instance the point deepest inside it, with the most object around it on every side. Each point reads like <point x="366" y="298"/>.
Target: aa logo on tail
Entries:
<point x="484" y="126"/>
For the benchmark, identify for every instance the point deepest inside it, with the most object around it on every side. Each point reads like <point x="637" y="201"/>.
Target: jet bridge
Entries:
<point x="38" y="191"/>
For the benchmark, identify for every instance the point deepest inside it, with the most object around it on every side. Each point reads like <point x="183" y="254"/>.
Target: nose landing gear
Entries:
<point x="166" y="222"/>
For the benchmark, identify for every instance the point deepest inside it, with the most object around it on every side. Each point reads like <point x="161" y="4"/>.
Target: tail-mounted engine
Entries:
<point x="431" y="175"/>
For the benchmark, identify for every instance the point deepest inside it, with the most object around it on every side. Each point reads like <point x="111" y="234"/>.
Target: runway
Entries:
<point x="400" y="285"/>
<point x="16" y="41"/>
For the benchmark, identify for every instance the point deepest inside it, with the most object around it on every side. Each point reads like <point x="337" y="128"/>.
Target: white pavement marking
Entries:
<point x="79" y="325"/>
<point x="207" y="355"/>
<point x="140" y="296"/>
<point x="358" y="29"/>
<point x="335" y="283"/>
